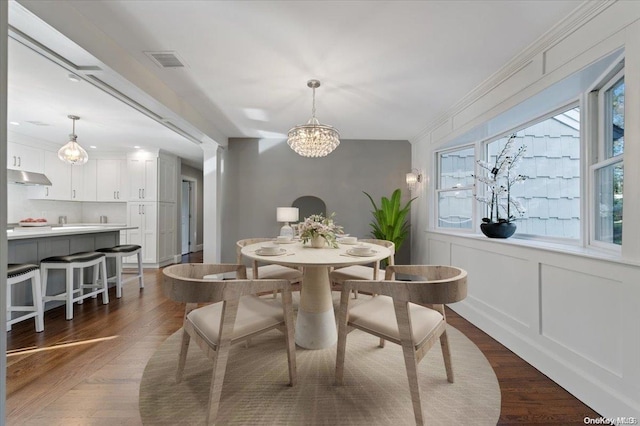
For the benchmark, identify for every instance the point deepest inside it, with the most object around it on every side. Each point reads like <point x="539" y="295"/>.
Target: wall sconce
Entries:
<point x="286" y="215"/>
<point x="412" y="178"/>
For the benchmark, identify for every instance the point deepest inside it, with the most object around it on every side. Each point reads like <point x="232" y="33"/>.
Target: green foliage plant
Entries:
<point x="390" y="219"/>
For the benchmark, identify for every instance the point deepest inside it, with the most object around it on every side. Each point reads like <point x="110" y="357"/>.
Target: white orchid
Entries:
<point x="498" y="178"/>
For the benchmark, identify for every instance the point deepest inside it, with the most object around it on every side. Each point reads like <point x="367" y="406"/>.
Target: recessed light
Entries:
<point x="92" y="146"/>
<point x="136" y="147"/>
<point x="15" y="123"/>
<point x="74" y="78"/>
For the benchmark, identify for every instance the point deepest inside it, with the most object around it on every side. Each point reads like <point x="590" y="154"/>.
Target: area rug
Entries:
<point x="375" y="392"/>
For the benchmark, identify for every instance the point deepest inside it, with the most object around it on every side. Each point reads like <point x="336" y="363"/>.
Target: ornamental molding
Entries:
<point x="568" y="25"/>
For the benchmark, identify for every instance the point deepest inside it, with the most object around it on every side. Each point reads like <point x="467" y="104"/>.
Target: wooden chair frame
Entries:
<point x="442" y="284"/>
<point x="255" y="268"/>
<point x="337" y="278"/>
<point x="184" y="283"/>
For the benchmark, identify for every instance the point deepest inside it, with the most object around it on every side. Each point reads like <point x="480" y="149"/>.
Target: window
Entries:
<point x="574" y="186"/>
<point x="608" y="168"/>
<point x="455" y="188"/>
<point x="551" y="192"/>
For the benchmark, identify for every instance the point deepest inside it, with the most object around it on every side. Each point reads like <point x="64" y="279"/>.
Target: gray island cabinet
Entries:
<point x="31" y="245"/>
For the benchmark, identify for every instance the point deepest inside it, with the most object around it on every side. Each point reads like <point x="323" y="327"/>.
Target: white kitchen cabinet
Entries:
<point x="143" y="178"/>
<point x="59" y="173"/>
<point x="167" y="178"/>
<point x="22" y="157"/>
<point x="111" y="178"/>
<point x="153" y="177"/>
<point x="167" y="231"/>
<point x="83" y="182"/>
<point x="156" y="231"/>
<point x="144" y="217"/>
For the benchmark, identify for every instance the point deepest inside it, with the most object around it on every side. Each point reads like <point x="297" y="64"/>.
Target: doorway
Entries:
<point x="188" y="216"/>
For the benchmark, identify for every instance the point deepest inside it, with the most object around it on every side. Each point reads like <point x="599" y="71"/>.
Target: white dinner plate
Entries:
<point x="27" y="224"/>
<point x="369" y="254"/>
<point x="349" y="244"/>
<point x="261" y="252"/>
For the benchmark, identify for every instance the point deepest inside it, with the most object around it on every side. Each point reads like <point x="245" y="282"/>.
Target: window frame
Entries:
<point x="439" y="189"/>
<point x="484" y="150"/>
<point x="599" y="161"/>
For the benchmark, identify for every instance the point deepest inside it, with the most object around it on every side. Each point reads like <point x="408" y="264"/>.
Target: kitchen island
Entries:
<point x="32" y="244"/>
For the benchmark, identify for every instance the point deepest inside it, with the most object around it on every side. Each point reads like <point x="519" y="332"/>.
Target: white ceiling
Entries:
<point x="389" y="69"/>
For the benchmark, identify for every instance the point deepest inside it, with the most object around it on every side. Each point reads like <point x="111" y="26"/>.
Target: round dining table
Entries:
<point x="315" y="323"/>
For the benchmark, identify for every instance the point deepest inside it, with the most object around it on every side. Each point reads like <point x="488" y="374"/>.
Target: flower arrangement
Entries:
<point x="498" y="178"/>
<point x="317" y="225"/>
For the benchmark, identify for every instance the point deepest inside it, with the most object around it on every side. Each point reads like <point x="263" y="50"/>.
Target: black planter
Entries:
<point x="498" y="230"/>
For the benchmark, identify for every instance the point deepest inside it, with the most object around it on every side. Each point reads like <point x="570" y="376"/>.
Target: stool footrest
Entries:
<point x="17" y="274"/>
<point x="72" y="265"/>
<point x="22" y="317"/>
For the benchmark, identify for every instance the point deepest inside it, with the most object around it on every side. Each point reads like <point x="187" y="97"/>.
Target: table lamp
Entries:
<point x="286" y="215"/>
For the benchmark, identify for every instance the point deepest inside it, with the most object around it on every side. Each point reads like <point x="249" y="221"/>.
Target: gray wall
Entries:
<point x="262" y="174"/>
<point x="196" y="174"/>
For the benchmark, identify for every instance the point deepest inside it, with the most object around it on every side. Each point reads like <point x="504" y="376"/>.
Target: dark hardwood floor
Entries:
<point x="87" y="371"/>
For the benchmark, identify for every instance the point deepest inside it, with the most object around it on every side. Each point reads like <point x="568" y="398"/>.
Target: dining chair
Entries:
<point x="364" y="272"/>
<point x="396" y="314"/>
<point x="233" y="313"/>
<point x="294" y="276"/>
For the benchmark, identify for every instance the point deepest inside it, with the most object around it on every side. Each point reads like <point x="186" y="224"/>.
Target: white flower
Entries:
<point x="317" y="225"/>
<point x="498" y="177"/>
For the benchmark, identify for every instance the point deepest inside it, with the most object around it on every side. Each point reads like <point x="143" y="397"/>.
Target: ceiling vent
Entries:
<point x="166" y="59"/>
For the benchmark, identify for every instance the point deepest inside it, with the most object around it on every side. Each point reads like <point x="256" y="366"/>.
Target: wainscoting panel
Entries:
<point x="573" y="315"/>
<point x="440" y="252"/>
<point x="581" y="312"/>
<point x="501" y="284"/>
<point x="579" y="41"/>
<point x="519" y="80"/>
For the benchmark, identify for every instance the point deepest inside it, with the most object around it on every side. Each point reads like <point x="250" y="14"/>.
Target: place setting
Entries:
<point x="272" y="249"/>
<point x="361" y="250"/>
<point x="285" y="239"/>
<point x="347" y="240"/>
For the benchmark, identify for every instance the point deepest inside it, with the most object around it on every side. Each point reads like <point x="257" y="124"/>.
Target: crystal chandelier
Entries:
<point x="72" y="153"/>
<point x="313" y="139"/>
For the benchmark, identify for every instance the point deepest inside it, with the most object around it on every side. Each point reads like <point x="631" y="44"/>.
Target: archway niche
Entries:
<point x="308" y="205"/>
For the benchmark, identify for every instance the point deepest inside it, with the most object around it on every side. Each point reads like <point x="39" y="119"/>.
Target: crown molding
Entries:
<point x="576" y="19"/>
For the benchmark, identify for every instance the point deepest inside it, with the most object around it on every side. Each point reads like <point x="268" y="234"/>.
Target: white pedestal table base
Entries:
<point x="316" y="322"/>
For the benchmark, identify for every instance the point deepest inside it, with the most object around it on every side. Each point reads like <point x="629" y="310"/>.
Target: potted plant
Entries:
<point x="390" y="219"/>
<point x="498" y="178"/>
<point x="319" y="230"/>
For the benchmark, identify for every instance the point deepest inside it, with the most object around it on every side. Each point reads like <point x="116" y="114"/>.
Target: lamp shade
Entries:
<point x="287" y="214"/>
<point x="412" y="178"/>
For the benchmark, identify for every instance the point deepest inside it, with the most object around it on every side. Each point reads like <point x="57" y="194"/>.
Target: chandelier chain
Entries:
<point x="313" y="105"/>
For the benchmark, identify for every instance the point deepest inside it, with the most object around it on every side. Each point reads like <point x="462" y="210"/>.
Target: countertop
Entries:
<point x="19" y="232"/>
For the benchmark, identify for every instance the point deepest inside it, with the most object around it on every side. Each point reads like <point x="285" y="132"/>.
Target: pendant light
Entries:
<point x="72" y="153"/>
<point x="313" y="139"/>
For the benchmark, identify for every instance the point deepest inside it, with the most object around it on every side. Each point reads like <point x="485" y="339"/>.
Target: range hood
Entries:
<point x="26" y="178"/>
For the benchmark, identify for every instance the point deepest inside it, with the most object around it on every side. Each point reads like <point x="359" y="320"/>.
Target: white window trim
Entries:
<point x="576" y="103"/>
<point x="598" y="161"/>
<point x="438" y="190"/>
<point x="605" y="116"/>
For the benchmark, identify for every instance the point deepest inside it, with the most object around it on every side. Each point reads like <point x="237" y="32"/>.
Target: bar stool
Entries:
<point x="18" y="273"/>
<point x="117" y="253"/>
<point x="72" y="264"/>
